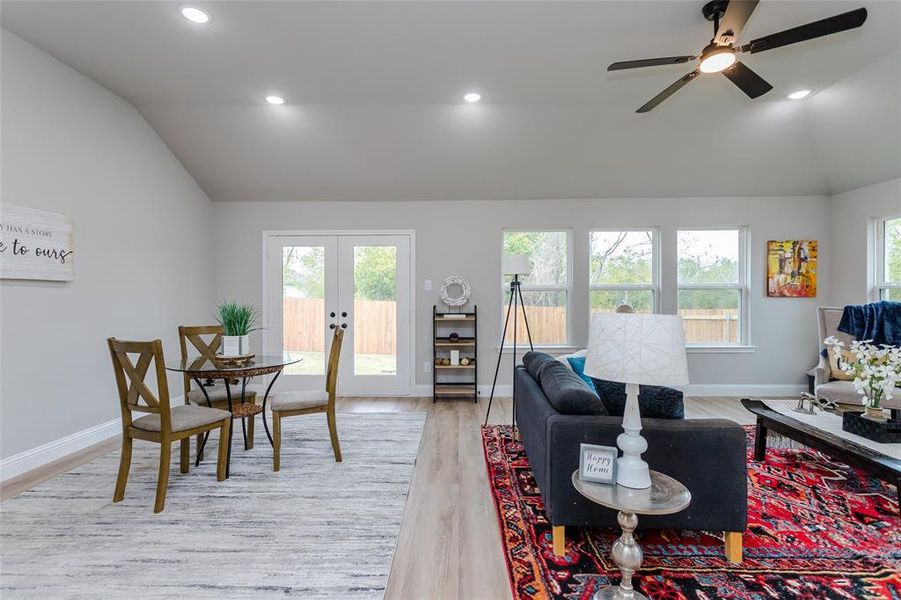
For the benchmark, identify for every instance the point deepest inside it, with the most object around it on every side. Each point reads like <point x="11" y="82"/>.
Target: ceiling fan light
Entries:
<point x="718" y="60"/>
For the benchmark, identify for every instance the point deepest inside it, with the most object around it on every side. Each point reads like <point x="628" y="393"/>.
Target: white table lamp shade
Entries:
<point x="516" y="264"/>
<point x="637" y="348"/>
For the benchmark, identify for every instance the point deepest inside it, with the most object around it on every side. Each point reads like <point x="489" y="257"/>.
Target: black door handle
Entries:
<point x="332" y="326"/>
<point x="344" y="314"/>
<point x="343" y="325"/>
<point x="332" y="315"/>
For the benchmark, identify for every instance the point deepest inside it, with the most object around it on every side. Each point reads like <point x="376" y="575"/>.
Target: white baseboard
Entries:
<point x="23" y="462"/>
<point x="44" y="454"/>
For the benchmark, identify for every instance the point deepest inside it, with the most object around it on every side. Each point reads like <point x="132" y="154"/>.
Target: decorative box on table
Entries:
<point x="884" y="432"/>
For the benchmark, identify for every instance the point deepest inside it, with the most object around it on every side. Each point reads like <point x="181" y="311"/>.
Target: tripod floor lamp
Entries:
<point x="515" y="265"/>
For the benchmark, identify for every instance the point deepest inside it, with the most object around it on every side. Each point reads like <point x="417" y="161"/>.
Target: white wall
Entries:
<point x="465" y="238"/>
<point x="142" y="242"/>
<point x="851" y="215"/>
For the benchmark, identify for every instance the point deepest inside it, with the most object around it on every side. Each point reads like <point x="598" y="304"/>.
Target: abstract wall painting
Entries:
<point x="791" y="269"/>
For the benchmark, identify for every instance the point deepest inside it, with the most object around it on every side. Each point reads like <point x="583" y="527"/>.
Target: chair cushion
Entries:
<point x="183" y="418"/>
<point x="217" y="395"/>
<point x="654" y="402"/>
<point x="535" y="361"/>
<point x="566" y="391"/>
<point x="299" y="400"/>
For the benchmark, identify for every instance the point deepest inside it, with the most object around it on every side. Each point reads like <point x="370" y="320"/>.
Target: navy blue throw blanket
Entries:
<point x="877" y="321"/>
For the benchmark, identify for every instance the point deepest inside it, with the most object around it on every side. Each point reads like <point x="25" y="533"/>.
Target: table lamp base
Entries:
<point x="631" y="471"/>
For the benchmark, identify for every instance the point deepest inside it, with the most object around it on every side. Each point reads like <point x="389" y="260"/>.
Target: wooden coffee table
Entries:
<point x="882" y="466"/>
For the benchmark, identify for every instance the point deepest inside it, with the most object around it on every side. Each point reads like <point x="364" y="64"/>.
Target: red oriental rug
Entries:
<point x="816" y="529"/>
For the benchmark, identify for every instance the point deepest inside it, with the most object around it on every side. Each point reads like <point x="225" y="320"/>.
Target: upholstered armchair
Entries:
<point x="824" y="383"/>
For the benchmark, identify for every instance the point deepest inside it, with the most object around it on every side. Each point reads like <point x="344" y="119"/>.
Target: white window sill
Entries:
<point x="523" y="347"/>
<point x="720" y="349"/>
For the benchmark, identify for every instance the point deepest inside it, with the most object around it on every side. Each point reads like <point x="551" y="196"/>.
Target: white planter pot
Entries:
<point x="235" y="345"/>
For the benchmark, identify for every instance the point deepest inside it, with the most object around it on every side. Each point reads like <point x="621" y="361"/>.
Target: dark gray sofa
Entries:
<point x="707" y="455"/>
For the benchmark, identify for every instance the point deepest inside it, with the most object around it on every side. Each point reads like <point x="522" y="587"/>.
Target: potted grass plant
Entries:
<point x="237" y="321"/>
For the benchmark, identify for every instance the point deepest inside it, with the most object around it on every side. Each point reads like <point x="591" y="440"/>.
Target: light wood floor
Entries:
<point x="449" y="544"/>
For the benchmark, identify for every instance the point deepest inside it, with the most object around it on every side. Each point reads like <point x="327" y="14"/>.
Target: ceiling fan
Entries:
<point x="721" y="54"/>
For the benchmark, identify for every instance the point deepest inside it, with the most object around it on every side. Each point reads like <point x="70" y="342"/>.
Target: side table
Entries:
<point x="664" y="497"/>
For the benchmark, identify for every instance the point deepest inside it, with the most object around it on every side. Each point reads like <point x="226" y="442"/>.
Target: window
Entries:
<point x="546" y="291"/>
<point x="712" y="285"/>
<point x="623" y="270"/>
<point x="888" y="259"/>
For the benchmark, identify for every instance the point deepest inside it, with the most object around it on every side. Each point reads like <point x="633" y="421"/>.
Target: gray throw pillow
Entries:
<point x="566" y="391"/>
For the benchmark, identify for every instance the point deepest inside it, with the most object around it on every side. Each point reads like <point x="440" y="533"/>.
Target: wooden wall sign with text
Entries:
<point x="35" y="244"/>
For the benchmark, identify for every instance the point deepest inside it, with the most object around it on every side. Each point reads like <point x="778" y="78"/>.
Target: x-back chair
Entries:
<point x="162" y="424"/>
<point x="307" y="403"/>
<point x="216" y="391"/>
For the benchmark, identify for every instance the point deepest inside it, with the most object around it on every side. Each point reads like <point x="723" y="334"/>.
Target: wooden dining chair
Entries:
<point x="217" y="393"/>
<point x="163" y="424"/>
<point x="307" y="403"/>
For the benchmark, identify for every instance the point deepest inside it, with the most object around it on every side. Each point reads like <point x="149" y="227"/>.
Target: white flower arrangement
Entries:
<point x="876" y="372"/>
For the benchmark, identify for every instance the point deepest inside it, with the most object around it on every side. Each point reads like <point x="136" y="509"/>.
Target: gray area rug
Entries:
<point x="316" y="529"/>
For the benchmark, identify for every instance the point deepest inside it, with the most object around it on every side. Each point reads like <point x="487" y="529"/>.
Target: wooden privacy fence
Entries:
<point x="375" y="331"/>
<point x="548" y="325"/>
<point x="376" y="325"/>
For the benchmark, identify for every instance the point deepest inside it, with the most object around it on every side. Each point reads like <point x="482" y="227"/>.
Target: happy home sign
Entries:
<point x="35" y="244"/>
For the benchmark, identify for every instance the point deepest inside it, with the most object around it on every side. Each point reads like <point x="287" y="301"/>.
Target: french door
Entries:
<point x="361" y="283"/>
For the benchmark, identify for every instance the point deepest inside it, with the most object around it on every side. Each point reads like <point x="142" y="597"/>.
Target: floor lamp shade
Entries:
<point x="636" y="349"/>
<point x="516" y="264"/>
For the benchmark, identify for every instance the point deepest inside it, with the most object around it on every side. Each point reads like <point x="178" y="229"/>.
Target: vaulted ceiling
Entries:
<point x="374" y="108"/>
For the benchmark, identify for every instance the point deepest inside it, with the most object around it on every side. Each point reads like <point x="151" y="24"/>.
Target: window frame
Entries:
<point x="653" y="287"/>
<point x="881" y="284"/>
<point x="742" y="286"/>
<point x="526" y="287"/>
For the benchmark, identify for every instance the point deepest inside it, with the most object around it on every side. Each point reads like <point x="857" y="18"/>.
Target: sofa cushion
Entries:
<point x="654" y="402"/>
<point x="577" y="363"/>
<point x="566" y="391"/>
<point x="534" y="361"/>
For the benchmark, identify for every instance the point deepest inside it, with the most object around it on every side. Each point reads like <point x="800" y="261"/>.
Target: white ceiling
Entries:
<point x="374" y="91"/>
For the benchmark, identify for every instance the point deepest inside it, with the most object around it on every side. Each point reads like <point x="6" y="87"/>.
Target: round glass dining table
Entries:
<point x="204" y="370"/>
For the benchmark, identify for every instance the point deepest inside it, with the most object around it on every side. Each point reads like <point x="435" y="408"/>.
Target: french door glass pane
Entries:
<point x="375" y="310"/>
<point x="303" y="308"/>
<point x="641" y="301"/>
<point x="710" y="316"/>
<point x="546" y="312"/>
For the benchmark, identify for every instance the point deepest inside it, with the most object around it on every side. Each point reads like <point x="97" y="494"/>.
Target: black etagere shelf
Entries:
<point x="455" y="381"/>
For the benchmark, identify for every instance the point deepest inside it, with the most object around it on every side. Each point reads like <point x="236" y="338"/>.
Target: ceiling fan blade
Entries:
<point x="653" y="102"/>
<point x="737" y="14"/>
<point x="842" y="22"/>
<point x="747" y="80"/>
<point x="649" y="62"/>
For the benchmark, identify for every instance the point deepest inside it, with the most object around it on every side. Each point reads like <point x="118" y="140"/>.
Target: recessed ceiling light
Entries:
<point x="798" y="95"/>
<point x="275" y="100"/>
<point x="472" y="97"/>
<point x="194" y="14"/>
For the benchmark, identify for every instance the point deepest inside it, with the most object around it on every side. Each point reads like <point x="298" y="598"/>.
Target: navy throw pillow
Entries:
<point x="534" y="361"/>
<point x="654" y="402"/>
<point x="566" y="392"/>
